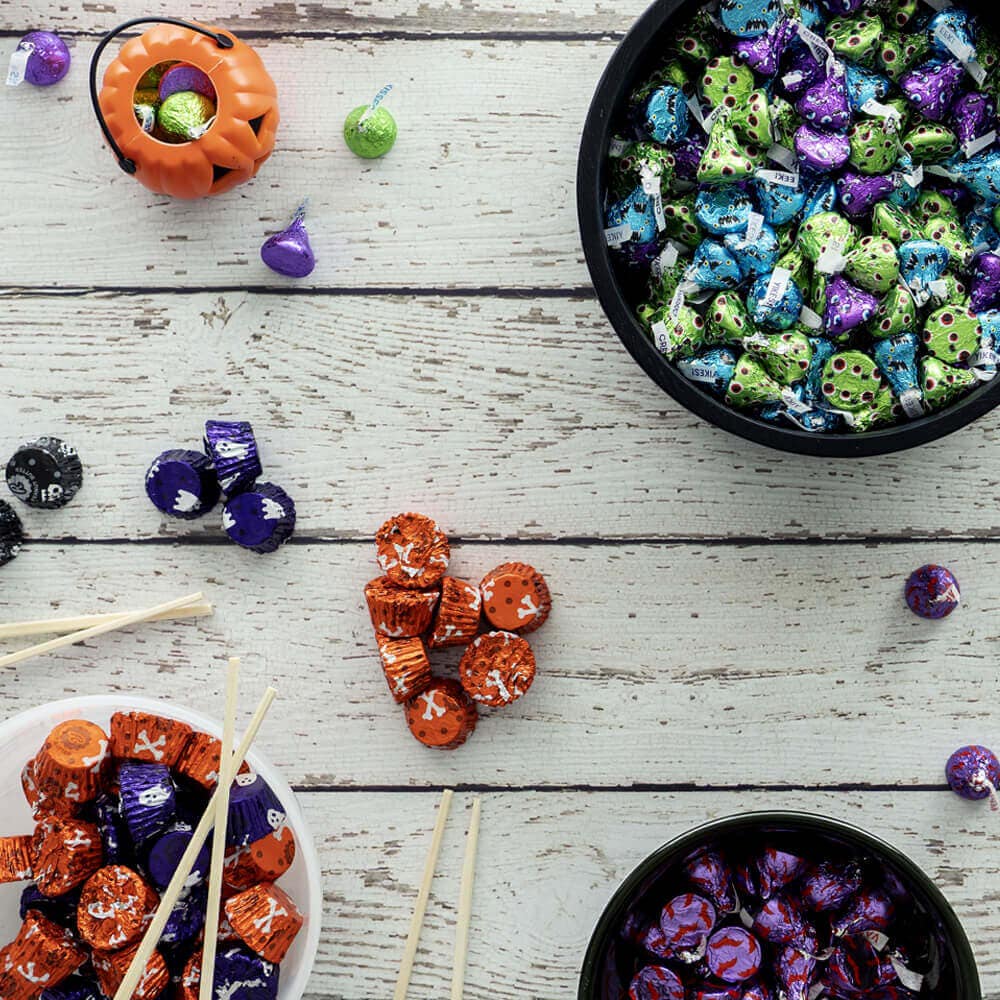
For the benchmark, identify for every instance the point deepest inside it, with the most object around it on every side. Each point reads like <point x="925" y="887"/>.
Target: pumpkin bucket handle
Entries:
<point x="223" y="41"/>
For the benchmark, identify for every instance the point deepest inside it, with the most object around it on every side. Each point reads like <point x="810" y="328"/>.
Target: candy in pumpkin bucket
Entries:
<point x="188" y="109"/>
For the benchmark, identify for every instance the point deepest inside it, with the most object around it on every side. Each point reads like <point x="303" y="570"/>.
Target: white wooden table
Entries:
<point x="728" y="631"/>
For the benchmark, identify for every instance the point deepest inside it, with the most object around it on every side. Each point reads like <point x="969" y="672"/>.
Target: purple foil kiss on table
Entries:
<point x="932" y="88"/>
<point x="709" y="872"/>
<point x="49" y="60"/>
<point x="148" y="798"/>
<point x="289" y="252"/>
<point x="973" y="772"/>
<point x="780" y="921"/>
<point x="261" y="519"/>
<point x="795" y="972"/>
<point x="932" y="591"/>
<point x="182" y="484"/>
<point x="185" y="77"/>
<point x="821" y="151"/>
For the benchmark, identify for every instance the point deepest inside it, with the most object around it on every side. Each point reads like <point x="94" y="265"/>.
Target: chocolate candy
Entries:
<point x="112" y="966"/>
<point x="952" y="333"/>
<point x="182" y="76"/>
<point x="266" y="920"/>
<point x="847" y="306"/>
<point x="459" y="612"/>
<point x="186" y="115"/>
<point x="254" y="810"/>
<point x="973" y="116"/>
<point x="932" y="88"/>
<point x="985" y="284"/>
<point x="751" y="120"/>
<point x="265" y="860"/>
<point x="40" y="948"/>
<point x="873" y="264"/>
<point x="233" y="449"/>
<point x="710" y="874"/>
<point x="973" y="772"/>
<point x="869" y="910"/>
<point x="728" y="319"/>
<point x="763" y="52"/>
<point x="821" y="151"/>
<point x="860" y="193"/>
<point x="774" y="300"/>
<point x="73" y="988"/>
<point x="11" y="533"/>
<point x="16" y="859"/>
<point x="443" y="716"/>
<point x="713" y="267"/>
<point x="733" y="954"/>
<point x="751" y="386"/>
<point x="712" y="369"/>
<point x="656" y="982"/>
<point x="894" y="223"/>
<point x="182" y="484"/>
<point x="828" y="885"/>
<point x="949" y="234"/>
<point x="497" y="668"/>
<point x="723" y="210"/>
<point x="922" y="262"/>
<point x="187" y="918"/>
<point x="666" y="117"/>
<point x="242" y="975"/>
<point x="851" y="380"/>
<point x="115" y="907"/>
<point x="873" y="146"/>
<point x="261" y="519"/>
<point x="146" y="737"/>
<point x="45" y="473"/>
<point x="398" y="613"/>
<point x="856" y="38"/>
<point x="853" y="966"/>
<point x="776" y="869"/>
<point x="795" y="971"/>
<point x="289" y="252"/>
<point x="412" y="551"/>
<point x="148" y="799"/>
<point x="780" y="921"/>
<point x="943" y="383"/>
<point x="70" y="764"/>
<point x="896" y="358"/>
<point x="680" y="334"/>
<point x="686" y="922"/>
<point x="166" y="852"/>
<point x="515" y="597"/>
<point x="41" y="58"/>
<point x="932" y="591"/>
<point x="724" y="160"/>
<point x="785" y="356"/>
<point x="406" y="666"/>
<point x="69" y="852"/>
<point x="825" y="103"/>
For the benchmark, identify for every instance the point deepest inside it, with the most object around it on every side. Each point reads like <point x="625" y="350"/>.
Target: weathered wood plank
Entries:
<point x="479" y="190"/>
<point x="549" y="863"/>
<point x="666" y="665"/>
<point x="288" y="16"/>
<point x="505" y="417"/>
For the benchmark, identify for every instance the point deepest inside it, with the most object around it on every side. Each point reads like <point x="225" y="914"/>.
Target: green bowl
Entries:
<point x="599" y="980"/>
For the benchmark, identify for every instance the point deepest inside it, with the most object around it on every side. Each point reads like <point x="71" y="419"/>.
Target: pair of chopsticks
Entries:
<point x="69" y="631"/>
<point x="464" y="901"/>
<point x="216" y="815"/>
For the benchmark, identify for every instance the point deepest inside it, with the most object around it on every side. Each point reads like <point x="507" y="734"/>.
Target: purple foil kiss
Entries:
<point x="985" y="284"/>
<point x="49" y="60"/>
<point x="290" y="252"/>
<point x="764" y="52"/>
<point x="825" y="103"/>
<point x="859" y="193"/>
<point x="709" y="872"/>
<point x="932" y="89"/>
<point x="847" y="306"/>
<point x="973" y="115"/>
<point x="821" y="151"/>
<point x="185" y="77"/>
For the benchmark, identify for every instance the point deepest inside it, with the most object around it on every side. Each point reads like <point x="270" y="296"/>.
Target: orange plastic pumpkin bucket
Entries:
<point x="240" y="138"/>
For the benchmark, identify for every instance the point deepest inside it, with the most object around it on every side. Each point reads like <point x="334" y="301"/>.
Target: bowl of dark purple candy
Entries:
<point x="791" y="215"/>
<point x="778" y="906"/>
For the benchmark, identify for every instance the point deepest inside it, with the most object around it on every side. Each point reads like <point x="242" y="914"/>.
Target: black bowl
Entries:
<point x="650" y="884"/>
<point x="633" y="61"/>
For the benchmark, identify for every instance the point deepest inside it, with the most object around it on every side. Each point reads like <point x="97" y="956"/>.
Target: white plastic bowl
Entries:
<point x="21" y="738"/>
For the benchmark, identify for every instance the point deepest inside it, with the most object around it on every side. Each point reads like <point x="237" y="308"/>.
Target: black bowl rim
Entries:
<point x="593" y="146"/>
<point x="611" y="919"/>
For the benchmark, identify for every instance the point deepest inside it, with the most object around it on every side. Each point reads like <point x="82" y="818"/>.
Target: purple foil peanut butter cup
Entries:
<point x="261" y="519"/>
<point x="233" y="448"/>
<point x="182" y="483"/>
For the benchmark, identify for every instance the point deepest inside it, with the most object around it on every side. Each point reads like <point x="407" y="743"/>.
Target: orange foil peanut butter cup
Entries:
<point x="399" y="613"/>
<point x="17" y="858"/>
<point x="199" y="760"/>
<point x="412" y="551"/>
<point x="115" y="908"/>
<point x="265" y="860"/>
<point x="69" y="852"/>
<point x="515" y="598"/>
<point x="41" y="956"/>
<point x="458" y="614"/>
<point x="266" y="920"/>
<point x="112" y="966"/>
<point x="70" y="766"/>
<point x="443" y="716"/>
<point x="497" y="669"/>
<point x="147" y="737"/>
<point x="406" y="666"/>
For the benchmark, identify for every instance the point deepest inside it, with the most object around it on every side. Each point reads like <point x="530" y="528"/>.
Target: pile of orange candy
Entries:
<point x="416" y="607"/>
<point x="113" y="814"/>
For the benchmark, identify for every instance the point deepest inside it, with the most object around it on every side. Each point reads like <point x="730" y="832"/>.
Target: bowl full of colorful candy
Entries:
<point x="778" y="906"/>
<point x="101" y="797"/>
<point x="791" y="215"/>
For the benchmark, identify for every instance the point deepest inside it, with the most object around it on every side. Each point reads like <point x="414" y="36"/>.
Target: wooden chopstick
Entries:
<point x="420" y="906"/>
<point x="170" y="896"/>
<point x="465" y="904"/>
<point x="226" y="774"/>
<point x="60" y="626"/>
<point x="132" y="618"/>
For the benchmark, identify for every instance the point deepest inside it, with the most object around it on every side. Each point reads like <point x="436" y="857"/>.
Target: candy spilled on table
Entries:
<point x="289" y="252"/>
<point x="114" y="812"/>
<point x="416" y="607"/>
<point x="41" y="58"/>
<point x="932" y="591"/>
<point x="369" y="130"/>
<point x="973" y="772"/>
<point x="187" y="484"/>
<point x="45" y="473"/>
<point x="807" y="196"/>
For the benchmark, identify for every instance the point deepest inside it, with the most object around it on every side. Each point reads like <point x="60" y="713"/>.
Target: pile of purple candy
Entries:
<point x="809" y="191"/>
<point x="782" y="925"/>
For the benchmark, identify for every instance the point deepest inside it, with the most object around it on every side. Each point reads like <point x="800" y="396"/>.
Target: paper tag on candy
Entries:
<point x="19" y="63"/>
<point x="811" y="319"/>
<point x="910" y="979"/>
<point x="984" y="356"/>
<point x="782" y="155"/>
<point x="617" y="235"/>
<point x="969" y="149"/>
<point x="651" y="185"/>
<point x="790" y="79"/>
<point x="705" y="121"/>
<point x="661" y="338"/>
<point x="701" y="372"/>
<point x="817" y="990"/>
<point x="376" y="101"/>
<point x="676" y="302"/>
<point x="755" y="222"/>
<point x="777" y="287"/>
<point x="876" y="939"/>
<point x="912" y="403"/>
<point x="832" y="259"/>
<point x="666" y="260"/>
<point x="820" y="50"/>
<point x="618" y="147"/>
<point x="199" y="130"/>
<point x="878" y="110"/>
<point x="793" y="402"/>
<point x="787" y="178"/>
<point x="938" y="287"/>
<point x="915" y="177"/>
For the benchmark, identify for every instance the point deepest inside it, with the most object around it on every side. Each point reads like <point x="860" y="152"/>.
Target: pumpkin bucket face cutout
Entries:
<point x="236" y="142"/>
